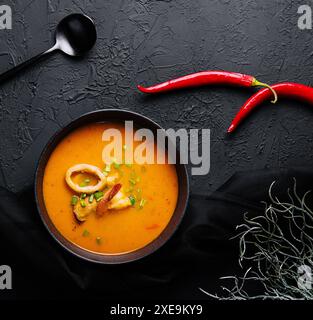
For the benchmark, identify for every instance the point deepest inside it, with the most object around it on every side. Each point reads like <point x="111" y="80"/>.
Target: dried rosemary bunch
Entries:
<point x="275" y="251"/>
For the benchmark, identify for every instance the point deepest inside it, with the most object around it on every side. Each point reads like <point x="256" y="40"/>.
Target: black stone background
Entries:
<point x="147" y="42"/>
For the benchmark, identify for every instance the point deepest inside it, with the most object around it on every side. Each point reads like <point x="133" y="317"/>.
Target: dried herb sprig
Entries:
<point x="274" y="246"/>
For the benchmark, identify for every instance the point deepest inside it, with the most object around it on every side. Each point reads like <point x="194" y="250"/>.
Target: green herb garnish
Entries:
<point x="83" y="195"/>
<point x="74" y="200"/>
<point x="142" y="203"/>
<point x="86" y="233"/>
<point x="107" y="168"/>
<point x="132" y="181"/>
<point x="132" y="200"/>
<point x="82" y="203"/>
<point x="116" y="165"/>
<point x="84" y="183"/>
<point x="98" y="195"/>
<point x="91" y="197"/>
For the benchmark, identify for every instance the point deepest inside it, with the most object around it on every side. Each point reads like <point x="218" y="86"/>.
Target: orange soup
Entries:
<point x="147" y="195"/>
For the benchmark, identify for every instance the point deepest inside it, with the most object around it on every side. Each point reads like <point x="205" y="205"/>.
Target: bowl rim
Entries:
<point x="85" y="254"/>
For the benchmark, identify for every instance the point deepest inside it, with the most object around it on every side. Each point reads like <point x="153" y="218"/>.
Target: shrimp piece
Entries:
<point x="120" y="201"/>
<point x="103" y="205"/>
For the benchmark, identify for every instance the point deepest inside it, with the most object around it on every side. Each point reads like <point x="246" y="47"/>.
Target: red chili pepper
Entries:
<point x="287" y="89"/>
<point x="206" y="78"/>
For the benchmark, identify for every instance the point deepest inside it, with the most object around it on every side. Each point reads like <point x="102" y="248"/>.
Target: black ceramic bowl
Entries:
<point x="109" y="115"/>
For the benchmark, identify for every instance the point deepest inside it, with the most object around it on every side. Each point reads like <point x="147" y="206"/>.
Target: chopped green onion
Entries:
<point x="105" y="173"/>
<point x="142" y="203"/>
<point x="91" y="197"/>
<point x="83" y="203"/>
<point x="74" y="200"/>
<point x="132" y="200"/>
<point x="116" y="165"/>
<point x="98" y="195"/>
<point x="86" y="233"/>
<point x="107" y="168"/>
<point x="83" y="195"/>
<point x="84" y="183"/>
<point x="99" y="240"/>
<point x="132" y="181"/>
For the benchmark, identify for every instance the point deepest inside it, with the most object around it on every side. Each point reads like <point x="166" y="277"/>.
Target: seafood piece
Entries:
<point x="120" y="201"/>
<point x="89" y="169"/>
<point x="102" y="207"/>
<point x="81" y="213"/>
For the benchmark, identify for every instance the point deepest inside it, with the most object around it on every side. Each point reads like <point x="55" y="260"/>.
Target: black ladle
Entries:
<point x="75" y="35"/>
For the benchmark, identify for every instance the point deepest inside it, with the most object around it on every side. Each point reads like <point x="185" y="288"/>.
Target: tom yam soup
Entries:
<point x="110" y="207"/>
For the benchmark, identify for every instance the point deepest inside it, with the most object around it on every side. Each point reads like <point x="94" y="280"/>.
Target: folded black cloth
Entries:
<point x="196" y="256"/>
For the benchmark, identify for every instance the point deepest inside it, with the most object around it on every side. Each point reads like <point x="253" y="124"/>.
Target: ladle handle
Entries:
<point x="10" y="73"/>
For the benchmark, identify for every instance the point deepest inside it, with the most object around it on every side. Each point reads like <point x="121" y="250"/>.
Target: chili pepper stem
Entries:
<point x="256" y="83"/>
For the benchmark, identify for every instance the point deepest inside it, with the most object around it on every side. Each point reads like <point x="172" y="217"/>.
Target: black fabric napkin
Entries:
<point x="196" y="256"/>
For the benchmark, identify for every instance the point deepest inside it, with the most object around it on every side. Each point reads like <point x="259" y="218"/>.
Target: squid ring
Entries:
<point x="85" y="168"/>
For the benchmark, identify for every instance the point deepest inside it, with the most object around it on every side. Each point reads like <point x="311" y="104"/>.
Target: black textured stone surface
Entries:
<point x="150" y="41"/>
